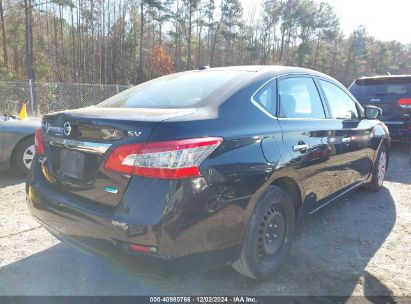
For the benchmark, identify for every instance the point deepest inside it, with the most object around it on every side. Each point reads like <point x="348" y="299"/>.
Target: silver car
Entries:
<point x="17" y="142"/>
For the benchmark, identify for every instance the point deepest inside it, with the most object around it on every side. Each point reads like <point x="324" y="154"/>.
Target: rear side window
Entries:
<point x="266" y="97"/>
<point x="341" y="104"/>
<point x="299" y="98"/>
<point x="180" y="90"/>
<point x="381" y="87"/>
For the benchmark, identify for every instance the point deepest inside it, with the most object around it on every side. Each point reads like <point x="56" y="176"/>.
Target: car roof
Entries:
<point x="383" y="79"/>
<point x="385" y="76"/>
<point x="272" y="70"/>
<point x="278" y="69"/>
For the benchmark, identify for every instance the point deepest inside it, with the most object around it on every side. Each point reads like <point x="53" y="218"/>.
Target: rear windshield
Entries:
<point x="381" y="87"/>
<point x="182" y="90"/>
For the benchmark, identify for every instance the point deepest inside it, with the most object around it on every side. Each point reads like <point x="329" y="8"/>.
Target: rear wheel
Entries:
<point x="23" y="155"/>
<point x="378" y="172"/>
<point x="268" y="236"/>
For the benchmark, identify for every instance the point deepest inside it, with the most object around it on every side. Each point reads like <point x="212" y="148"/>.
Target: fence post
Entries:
<point x="31" y="95"/>
<point x="117" y="88"/>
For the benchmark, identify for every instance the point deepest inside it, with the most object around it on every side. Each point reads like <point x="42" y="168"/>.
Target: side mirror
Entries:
<point x="372" y="112"/>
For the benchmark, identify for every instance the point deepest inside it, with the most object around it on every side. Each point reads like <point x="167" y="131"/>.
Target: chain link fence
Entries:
<point x="42" y="98"/>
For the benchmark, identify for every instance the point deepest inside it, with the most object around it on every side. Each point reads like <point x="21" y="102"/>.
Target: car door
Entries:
<point x="356" y="133"/>
<point x="311" y="138"/>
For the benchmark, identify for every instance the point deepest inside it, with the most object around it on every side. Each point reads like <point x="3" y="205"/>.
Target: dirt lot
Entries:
<point x="360" y="245"/>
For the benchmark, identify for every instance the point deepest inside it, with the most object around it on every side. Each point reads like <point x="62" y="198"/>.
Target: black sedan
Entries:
<point x="215" y="160"/>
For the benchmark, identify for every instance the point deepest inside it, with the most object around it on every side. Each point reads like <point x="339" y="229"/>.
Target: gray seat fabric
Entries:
<point x="287" y="106"/>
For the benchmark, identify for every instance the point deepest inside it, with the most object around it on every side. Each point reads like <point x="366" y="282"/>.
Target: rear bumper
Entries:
<point x="176" y="220"/>
<point x="87" y="229"/>
<point x="399" y="130"/>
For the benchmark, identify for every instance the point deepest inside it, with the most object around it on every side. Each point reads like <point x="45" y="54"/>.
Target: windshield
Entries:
<point x="180" y="90"/>
<point x="381" y="87"/>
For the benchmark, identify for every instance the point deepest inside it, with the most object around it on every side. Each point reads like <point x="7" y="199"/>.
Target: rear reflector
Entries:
<point x="39" y="142"/>
<point x="141" y="248"/>
<point x="176" y="159"/>
<point x="404" y="103"/>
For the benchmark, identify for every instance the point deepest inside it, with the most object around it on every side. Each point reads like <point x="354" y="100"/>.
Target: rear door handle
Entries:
<point x="301" y="148"/>
<point x="346" y="139"/>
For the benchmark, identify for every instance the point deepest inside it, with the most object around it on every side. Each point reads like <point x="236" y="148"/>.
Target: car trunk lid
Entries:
<point x="78" y="142"/>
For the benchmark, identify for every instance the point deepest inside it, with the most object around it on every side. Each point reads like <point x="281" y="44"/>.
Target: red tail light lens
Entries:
<point x="122" y="159"/>
<point x="404" y="103"/>
<point x="39" y="142"/>
<point x="142" y="248"/>
<point x="176" y="159"/>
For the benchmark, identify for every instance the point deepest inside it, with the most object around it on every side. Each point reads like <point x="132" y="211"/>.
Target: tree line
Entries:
<point x="130" y="41"/>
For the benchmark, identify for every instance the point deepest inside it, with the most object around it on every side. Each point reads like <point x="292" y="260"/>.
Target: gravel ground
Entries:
<point x="359" y="245"/>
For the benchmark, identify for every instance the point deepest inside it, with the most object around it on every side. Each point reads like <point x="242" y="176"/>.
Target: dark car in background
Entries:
<point x="215" y="160"/>
<point x="392" y="93"/>
<point x="17" y="142"/>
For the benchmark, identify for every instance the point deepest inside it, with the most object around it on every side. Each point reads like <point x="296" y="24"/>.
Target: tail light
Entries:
<point x="142" y="248"/>
<point x="176" y="159"/>
<point x="404" y="103"/>
<point x="39" y="142"/>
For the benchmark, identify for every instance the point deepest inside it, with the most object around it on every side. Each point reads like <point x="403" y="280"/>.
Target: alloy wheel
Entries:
<point x="28" y="156"/>
<point x="382" y="165"/>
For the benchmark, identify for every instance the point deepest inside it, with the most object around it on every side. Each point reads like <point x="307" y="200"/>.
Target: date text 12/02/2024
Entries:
<point x="204" y="299"/>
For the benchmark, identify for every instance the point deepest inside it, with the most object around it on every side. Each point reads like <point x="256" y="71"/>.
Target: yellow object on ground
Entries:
<point x="23" y="112"/>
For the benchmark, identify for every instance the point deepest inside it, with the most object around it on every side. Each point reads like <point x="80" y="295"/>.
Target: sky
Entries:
<point x="383" y="19"/>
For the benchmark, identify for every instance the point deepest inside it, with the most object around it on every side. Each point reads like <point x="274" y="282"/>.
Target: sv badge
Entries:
<point x="134" y="133"/>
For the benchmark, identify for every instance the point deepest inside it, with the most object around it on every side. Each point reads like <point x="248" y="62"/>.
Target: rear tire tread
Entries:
<point x="242" y="268"/>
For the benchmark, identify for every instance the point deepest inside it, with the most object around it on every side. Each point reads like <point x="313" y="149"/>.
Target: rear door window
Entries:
<point x="299" y="98"/>
<point x="341" y="104"/>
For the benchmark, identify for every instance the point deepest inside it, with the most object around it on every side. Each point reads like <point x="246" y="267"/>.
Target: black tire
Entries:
<point x="255" y="262"/>
<point x="18" y="154"/>
<point x="376" y="184"/>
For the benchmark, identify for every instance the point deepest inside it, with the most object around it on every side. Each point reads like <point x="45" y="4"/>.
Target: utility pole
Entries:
<point x="3" y="34"/>
<point x="140" y="76"/>
<point x="28" y="13"/>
